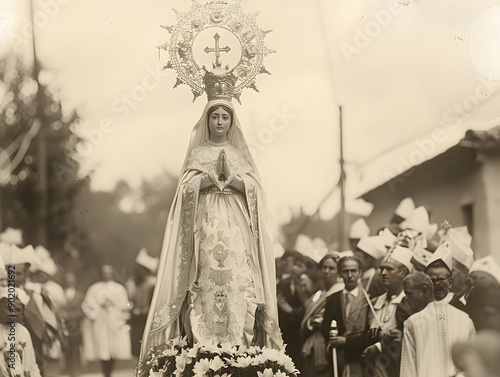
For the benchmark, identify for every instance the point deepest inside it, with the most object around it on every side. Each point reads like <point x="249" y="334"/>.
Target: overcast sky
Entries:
<point x="405" y="74"/>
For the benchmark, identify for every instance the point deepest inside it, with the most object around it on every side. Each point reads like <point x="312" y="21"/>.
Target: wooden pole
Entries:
<point x="342" y="188"/>
<point x="42" y="179"/>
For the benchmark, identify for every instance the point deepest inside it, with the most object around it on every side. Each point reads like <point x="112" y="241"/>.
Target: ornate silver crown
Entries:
<point x="219" y="86"/>
<point x="217" y="49"/>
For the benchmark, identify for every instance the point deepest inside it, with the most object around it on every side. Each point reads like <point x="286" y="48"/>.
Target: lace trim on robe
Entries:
<point x="168" y="313"/>
<point x="204" y="158"/>
<point x="251" y="196"/>
<point x="266" y="323"/>
<point x="441" y="315"/>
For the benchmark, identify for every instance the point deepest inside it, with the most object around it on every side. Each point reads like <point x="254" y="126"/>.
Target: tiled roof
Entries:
<point x="489" y="139"/>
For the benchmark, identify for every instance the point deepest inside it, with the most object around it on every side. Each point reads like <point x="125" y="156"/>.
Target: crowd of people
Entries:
<point x="49" y="329"/>
<point x="406" y="302"/>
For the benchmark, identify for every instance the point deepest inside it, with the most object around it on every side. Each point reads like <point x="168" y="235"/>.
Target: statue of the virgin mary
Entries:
<point x="216" y="277"/>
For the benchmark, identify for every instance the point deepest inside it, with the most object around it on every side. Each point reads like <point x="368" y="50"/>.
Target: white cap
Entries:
<point x="444" y="254"/>
<point x="461" y="252"/>
<point x="419" y="221"/>
<point x="18" y="292"/>
<point x="388" y="237"/>
<point x="15" y="255"/>
<point x="422" y="256"/>
<point x="12" y="236"/>
<point x="42" y="253"/>
<point x="487" y="264"/>
<point x="461" y="234"/>
<point x="374" y="246"/>
<point x="145" y="260"/>
<point x="346" y="253"/>
<point x="43" y="262"/>
<point x="359" y="229"/>
<point x="402" y="255"/>
<point x="405" y="208"/>
<point x="47" y="265"/>
<point x="3" y="269"/>
<point x="2" y="246"/>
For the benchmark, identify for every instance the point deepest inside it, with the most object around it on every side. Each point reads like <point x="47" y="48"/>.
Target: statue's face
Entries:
<point x="219" y="122"/>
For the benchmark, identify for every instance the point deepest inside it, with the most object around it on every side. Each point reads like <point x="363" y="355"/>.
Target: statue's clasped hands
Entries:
<point x="222" y="175"/>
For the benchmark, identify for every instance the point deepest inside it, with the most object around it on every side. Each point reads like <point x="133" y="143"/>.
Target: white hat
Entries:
<point x="43" y="262"/>
<point x="145" y="260"/>
<point x="12" y="236"/>
<point x="419" y="221"/>
<point x="346" y="253"/>
<point x="359" y="229"/>
<point x="461" y="252"/>
<point x="374" y="246"/>
<point x="42" y="253"/>
<point x="405" y="208"/>
<point x="444" y="254"/>
<point x="388" y="237"/>
<point x="461" y="234"/>
<point x="402" y="255"/>
<point x="2" y="247"/>
<point x="48" y="266"/>
<point x="487" y="264"/>
<point x="16" y="255"/>
<point x="422" y="256"/>
<point x="3" y="270"/>
<point x="18" y="292"/>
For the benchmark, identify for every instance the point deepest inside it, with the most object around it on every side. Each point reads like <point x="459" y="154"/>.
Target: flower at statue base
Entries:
<point x="201" y="368"/>
<point x="267" y="373"/>
<point x="175" y="358"/>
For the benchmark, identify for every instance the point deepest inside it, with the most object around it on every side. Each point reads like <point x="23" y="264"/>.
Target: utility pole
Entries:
<point x="342" y="187"/>
<point x="41" y="147"/>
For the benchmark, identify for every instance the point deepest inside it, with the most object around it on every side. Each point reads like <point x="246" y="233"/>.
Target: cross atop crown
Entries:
<point x="217" y="51"/>
<point x="220" y="37"/>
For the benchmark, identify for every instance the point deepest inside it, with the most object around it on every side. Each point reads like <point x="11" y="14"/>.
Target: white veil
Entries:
<point x="178" y="263"/>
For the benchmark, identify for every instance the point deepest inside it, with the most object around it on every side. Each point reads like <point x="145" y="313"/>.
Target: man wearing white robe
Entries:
<point x="106" y="336"/>
<point x="430" y="333"/>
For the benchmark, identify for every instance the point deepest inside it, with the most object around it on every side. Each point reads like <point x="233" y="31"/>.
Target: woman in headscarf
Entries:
<point x="314" y="361"/>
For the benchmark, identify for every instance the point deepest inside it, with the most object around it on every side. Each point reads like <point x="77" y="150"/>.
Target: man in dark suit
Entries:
<point x="290" y="306"/>
<point x="382" y="357"/>
<point x="349" y="309"/>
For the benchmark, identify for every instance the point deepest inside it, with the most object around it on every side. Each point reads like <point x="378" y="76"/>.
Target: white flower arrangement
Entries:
<point x="175" y="358"/>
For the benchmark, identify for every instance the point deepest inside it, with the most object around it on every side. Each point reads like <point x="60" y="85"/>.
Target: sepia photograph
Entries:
<point x="249" y="188"/>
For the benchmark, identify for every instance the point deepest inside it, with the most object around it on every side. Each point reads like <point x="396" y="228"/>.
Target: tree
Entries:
<point x="36" y="133"/>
